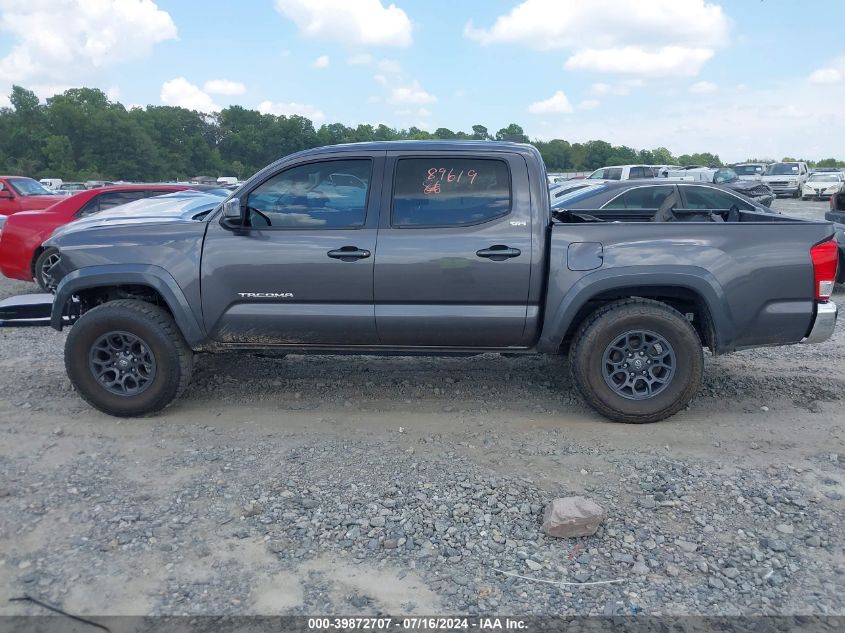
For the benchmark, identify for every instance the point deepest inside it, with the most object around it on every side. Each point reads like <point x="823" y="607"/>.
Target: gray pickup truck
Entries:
<point x="433" y="248"/>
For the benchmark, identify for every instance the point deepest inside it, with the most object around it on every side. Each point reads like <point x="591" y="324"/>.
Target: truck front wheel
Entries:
<point x="637" y="361"/>
<point x="127" y="358"/>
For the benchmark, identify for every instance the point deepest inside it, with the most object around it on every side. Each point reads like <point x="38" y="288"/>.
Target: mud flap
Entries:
<point x="31" y="311"/>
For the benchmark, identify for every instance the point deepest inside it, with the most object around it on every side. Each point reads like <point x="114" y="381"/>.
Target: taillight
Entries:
<point x="825" y="258"/>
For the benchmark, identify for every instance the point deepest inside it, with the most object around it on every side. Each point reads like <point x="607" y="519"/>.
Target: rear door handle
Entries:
<point x="349" y="253"/>
<point x="499" y="252"/>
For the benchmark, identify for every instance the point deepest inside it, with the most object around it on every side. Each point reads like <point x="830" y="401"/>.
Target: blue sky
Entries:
<point x="740" y="78"/>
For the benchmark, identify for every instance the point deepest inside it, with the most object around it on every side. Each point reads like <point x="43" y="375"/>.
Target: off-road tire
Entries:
<point x="605" y="325"/>
<point x="158" y="330"/>
<point x="37" y="272"/>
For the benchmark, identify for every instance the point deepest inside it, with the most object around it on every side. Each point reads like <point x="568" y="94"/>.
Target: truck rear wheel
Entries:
<point x="637" y="361"/>
<point x="127" y="358"/>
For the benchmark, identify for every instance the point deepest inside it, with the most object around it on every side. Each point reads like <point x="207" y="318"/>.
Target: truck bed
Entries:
<point x="753" y="274"/>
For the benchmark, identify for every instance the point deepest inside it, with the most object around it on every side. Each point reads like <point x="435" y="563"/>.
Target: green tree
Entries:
<point x="830" y="162"/>
<point x="513" y="133"/>
<point x="480" y="133"/>
<point x="598" y="154"/>
<point x="81" y="134"/>
<point x="59" y="155"/>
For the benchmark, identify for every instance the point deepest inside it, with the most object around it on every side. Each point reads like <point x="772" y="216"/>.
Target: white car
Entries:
<point x="623" y="172"/>
<point x="822" y="185"/>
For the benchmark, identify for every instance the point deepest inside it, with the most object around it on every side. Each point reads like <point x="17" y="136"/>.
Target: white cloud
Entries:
<point x="632" y="60"/>
<point x="224" y="87"/>
<point x="321" y="62"/>
<point x="182" y="93"/>
<point x="4" y="101"/>
<point x="412" y="93"/>
<point x="549" y="24"/>
<point x="825" y="76"/>
<point x="70" y="41"/>
<point x="390" y="66"/>
<point x="380" y="79"/>
<point x="360" y="59"/>
<point x="292" y="108"/>
<point x="359" y="23"/>
<point x="703" y="87"/>
<point x="661" y="37"/>
<point x="558" y="103"/>
<point x="113" y="93"/>
<point x="589" y="104"/>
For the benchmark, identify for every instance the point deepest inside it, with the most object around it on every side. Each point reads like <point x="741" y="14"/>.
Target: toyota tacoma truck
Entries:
<point x="431" y="248"/>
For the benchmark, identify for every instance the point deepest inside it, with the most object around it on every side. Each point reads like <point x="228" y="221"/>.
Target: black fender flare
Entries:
<point x="130" y="274"/>
<point x="692" y="278"/>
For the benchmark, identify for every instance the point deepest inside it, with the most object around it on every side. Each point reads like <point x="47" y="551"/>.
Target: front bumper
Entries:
<point x="824" y="323"/>
<point x="818" y="194"/>
<point x="781" y="190"/>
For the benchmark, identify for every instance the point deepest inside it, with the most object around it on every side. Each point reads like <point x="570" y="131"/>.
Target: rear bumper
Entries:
<point x="824" y="323"/>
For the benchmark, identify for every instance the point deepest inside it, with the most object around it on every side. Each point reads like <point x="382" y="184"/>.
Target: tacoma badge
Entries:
<point x="266" y="295"/>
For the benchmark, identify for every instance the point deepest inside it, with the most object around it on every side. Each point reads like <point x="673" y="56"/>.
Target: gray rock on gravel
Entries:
<point x="568" y="517"/>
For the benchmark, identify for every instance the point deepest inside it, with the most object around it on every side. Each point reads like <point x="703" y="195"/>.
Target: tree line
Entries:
<point x="82" y="135"/>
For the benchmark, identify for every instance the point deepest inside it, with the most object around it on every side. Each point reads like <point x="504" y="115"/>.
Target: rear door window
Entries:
<point x="446" y="192"/>
<point x="711" y="198"/>
<point x="614" y="173"/>
<point x="649" y="198"/>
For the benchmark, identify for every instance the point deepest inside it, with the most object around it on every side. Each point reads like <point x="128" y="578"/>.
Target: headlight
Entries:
<point x="792" y="183"/>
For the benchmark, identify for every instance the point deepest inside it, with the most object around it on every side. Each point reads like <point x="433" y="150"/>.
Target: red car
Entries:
<point x="21" y="254"/>
<point x="24" y="194"/>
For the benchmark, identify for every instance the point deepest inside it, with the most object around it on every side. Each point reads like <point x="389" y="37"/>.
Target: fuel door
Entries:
<point x="584" y="256"/>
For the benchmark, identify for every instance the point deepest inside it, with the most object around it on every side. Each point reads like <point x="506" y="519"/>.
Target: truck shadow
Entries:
<point x="540" y="384"/>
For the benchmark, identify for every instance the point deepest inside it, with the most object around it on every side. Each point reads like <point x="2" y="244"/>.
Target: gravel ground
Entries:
<point x="362" y="485"/>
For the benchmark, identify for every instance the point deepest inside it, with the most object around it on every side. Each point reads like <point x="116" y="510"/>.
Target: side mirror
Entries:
<point x="232" y="213"/>
<point x="5" y="193"/>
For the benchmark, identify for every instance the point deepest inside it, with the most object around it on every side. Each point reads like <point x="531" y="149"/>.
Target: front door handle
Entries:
<point x="499" y="252"/>
<point x="349" y="253"/>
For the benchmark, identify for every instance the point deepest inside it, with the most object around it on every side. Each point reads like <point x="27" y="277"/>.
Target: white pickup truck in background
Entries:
<point x="786" y="179"/>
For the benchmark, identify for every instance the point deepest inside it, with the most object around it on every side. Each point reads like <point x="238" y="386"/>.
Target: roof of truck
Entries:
<point x="400" y="146"/>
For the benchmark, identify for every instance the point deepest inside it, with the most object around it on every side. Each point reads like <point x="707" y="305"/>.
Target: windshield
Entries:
<point x="823" y="178"/>
<point x="748" y="170"/>
<point x="28" y="187"/>
<point x="724" y="175"/>
<point x="783" y="169"/>
<point x="577" y="194"/>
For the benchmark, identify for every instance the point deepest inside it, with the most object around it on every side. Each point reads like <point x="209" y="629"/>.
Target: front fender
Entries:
<point x="559" y="317"/>
<point x="130" y="274"/>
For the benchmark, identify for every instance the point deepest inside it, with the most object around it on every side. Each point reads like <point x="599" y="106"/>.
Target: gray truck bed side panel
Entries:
<point x="756" y="279"/>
